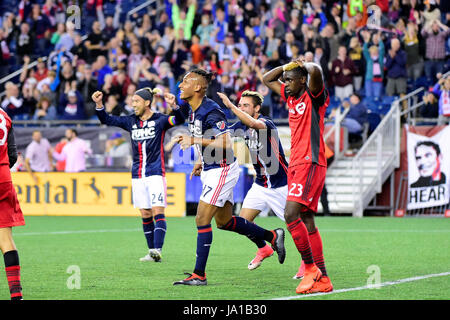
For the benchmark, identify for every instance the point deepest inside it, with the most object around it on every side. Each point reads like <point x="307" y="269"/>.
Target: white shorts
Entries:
<point x="260" y="198"/>
<point x="218" y="184"/>
<point x="149" y="192"/>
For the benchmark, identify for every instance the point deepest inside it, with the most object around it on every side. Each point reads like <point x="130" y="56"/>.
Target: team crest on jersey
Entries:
<point x="300" y="108"/>
<point x="221" y="125"/>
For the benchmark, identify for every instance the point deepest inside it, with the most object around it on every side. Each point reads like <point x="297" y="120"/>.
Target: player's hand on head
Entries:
<point x="226" y="101"/>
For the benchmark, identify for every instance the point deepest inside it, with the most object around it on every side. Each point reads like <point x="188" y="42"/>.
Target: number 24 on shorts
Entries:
<point x="296" y="190"/>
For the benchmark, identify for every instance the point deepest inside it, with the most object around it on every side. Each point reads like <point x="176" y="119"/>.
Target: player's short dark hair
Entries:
<point x="205" y="74"/>
<point x="428" y="144"/>
<point x="299" y="72"/>
<point x="257" y="97"/>
<point x="147" y="93"/>
<point x="74" y="131"/>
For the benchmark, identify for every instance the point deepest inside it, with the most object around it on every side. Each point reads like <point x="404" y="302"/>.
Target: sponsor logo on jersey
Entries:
<point x="144" y="133"/>
<point x="196" y="128"/>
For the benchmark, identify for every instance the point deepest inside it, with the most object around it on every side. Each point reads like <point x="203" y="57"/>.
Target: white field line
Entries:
<point x="73" y="232"/>
<point x="133" y="230"/>
<point x="384" y="284"/>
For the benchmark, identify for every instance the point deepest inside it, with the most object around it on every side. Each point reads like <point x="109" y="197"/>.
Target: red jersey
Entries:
<point x="5" y="126"/>
<point x="306" y="120"/>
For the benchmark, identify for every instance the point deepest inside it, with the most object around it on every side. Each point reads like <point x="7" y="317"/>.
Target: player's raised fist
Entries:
<point x="97" y="97"/>
<point x="225" y="100"/>
<point x="170" y="99"/>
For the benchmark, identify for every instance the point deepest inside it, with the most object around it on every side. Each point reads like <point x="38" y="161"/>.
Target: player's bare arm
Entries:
<point x="245" y="118"/>
<point x="315" y="76"/>
<point x="272" y="79"/>
<point x="222" y="141"/>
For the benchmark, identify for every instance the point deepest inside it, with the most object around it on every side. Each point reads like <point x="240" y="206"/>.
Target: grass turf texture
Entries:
<point x="110" y="267"/>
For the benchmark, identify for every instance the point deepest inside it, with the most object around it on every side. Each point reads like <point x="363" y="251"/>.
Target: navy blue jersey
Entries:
<point x="147" y="139"/>
<point x="266" y="152"/>
<point x="208" y="122"/>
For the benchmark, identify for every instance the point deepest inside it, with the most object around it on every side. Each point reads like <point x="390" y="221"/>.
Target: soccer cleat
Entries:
<point x="323" y="285"/>
<point x="278" y="244"/>
<point x="147" y="257"/>
<point x="155" y="254"/>
<point x="311" y="276"/>
<point x="261" y="254"/>
<point x="192" y="280"/>
<point x="301" y="271"/>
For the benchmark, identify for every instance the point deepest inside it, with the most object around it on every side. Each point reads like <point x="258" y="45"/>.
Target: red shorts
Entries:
<point x="10" y="212"/>
<point x="305" y="183"/>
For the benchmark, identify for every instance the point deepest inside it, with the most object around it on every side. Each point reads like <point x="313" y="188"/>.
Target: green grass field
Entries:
<point x="107" y="252"/>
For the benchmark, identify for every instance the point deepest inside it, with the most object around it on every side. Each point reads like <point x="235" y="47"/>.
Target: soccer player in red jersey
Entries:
<point x="307" y="101"/>
<point x="10" y="212"/>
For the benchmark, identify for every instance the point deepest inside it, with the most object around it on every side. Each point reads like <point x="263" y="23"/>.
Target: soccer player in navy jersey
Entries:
<point x="219" y="173"/>
<point x="269" y="189"/>
<point x="10" y="212"/>
<point x="307" y="101"/>
<point x="147" y="129"/>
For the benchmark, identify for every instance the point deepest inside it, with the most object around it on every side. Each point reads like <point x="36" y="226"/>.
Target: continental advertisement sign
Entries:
<point x="89" y="194"/>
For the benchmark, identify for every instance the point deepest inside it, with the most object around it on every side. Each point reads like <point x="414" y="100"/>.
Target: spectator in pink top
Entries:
<point x="38" y="156"/>
<point x="73" y="152"/>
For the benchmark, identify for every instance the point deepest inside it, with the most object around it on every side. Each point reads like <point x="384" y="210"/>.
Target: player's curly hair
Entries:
<point x="257" y="97"/>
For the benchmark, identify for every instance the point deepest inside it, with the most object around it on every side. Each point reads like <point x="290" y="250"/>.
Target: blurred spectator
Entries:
<point x="87" y="84"/>
<point x="41" y="70"/>
<point x="182" y="21"/>
<point x="78" y="49"/>
<point x="73" y="152"/>
<point x="205" y="29"/>
<point x="24" y="43"/>
<point x="356" y="55"/>
<point x="374" y="66"/>
<point x="431" y="108"/>
<point x="286" y="48"/>
<point x="396" y="69"/>
<point x="95" y="43"/>
<point x="45" y="110"/>
<point x="56" y="36"/>
<point x="356" y="117"/>
<point x="38" y="155"/>
<point x="112" y="106"/>
<point x="117" y="146"/>
<point x="101" y="68"/>
<point x="5" y="54"/>
<point x="40" y="24"/>
<point x="12" y="104"/>
<point x="67" y="39"/>
<point x="442" y="90"/>
<point x="342" y="70"/>
<point x="414" y="61"/>
<point x="435" y="34"/>
<point x="71" y="105"/>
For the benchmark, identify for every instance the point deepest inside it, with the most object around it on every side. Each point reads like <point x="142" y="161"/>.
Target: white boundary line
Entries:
<point x="73" y="232"/>
<point x="384" y="284"/>
<point x="130" y="230"/>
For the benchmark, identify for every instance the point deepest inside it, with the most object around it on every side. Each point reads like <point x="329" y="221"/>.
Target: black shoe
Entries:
<point x="192" y="280"/>
<point x="278" y="244"/>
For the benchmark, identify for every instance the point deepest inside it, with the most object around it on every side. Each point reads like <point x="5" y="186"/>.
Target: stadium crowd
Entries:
<point x="402" y="46"/>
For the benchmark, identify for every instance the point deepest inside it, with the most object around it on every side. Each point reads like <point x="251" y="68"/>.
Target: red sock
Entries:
<point x="300" y="235"/>
<point x="317" y="250"/>
<point x="13" y="276"/>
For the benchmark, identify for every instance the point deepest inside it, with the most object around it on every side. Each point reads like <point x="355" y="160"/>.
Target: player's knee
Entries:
<point x="146" y="213"/>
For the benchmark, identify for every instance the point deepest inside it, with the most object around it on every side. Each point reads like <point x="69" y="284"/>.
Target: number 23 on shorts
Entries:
<point x="296" y="190"/>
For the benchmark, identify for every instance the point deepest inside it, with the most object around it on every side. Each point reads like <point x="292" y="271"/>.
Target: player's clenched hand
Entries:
<point x="225" y="100"/>
<point x="97" y="97"/>
<point x="196" y="171"/>
<point x="170" y="99"/>
<point x="185" y="142"/>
